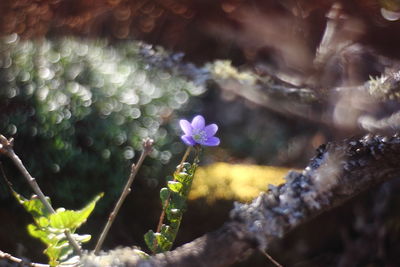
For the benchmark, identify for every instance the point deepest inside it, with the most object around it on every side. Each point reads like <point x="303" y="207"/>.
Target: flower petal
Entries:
<point x="198" y="123"/>
<point x="212" y="141"/>
<point x="211" y="129"/>
<point x="186" y="127"/>
<point x="188" y="140"/>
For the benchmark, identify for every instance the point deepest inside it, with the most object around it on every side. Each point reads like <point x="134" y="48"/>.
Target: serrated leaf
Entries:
<point x="34" y="231"/>
<point x="70" y="219"/>
<point x="34" y="206"/>
<point x="175" y="186"/>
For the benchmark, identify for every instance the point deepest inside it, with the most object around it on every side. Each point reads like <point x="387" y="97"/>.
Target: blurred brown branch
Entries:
<point x="20" y="262"/>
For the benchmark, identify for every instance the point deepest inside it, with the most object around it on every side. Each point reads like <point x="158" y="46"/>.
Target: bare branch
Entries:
<point x="21" y="262"/>
<point x="147" y="148"/>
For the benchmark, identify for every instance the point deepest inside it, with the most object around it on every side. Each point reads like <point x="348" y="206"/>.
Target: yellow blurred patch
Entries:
<point x="234" y="181"/>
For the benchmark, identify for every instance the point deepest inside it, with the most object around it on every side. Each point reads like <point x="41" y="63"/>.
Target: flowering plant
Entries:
<point x="56" y="228"/>
<point x="174" y="196"/>
<point x="197" y="132"/>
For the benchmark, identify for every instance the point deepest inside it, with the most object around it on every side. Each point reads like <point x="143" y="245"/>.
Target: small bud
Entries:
<point x="5" y="143"/>
<point x="148" y="145"/>
<point x="133" y="166"/>
<point x="3" y="139"/>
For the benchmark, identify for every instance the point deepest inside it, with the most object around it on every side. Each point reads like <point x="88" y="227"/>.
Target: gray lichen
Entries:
<point x="120" y="257"/>
<point x="333" y="175"/>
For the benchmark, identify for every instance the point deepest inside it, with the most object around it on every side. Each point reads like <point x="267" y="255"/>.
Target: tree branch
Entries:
<point x="337" y="173"/>
<point x="6" y="148"/>
<point x="147" y="148"/>
<point x="21" y="262"/>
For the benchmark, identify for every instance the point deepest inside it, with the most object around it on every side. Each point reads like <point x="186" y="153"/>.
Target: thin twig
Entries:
<point x="147" y="148"/>
<point x="6" y="147"/>
<point x="21" y="262"/>
<point x="271" y="259"/>
<point x="180" y="166"/>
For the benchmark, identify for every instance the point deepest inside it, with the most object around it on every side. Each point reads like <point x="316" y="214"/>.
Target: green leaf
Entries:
<point x="175" y="225"/>
<point x="70" y="219"/>
<point x="58" y="252"/>
<point x="149" y="238"/>
<point x="36" y="232"/>
<point x="163" y="243"/>
<point x="141" y="254"/>
<point x="157" y="242"/>
<point x="186" y="166"/>
<point x="177" y="202"/>
<point x="72" y="261"/>
<point x="181" y="177"/>
<point x="168" y="232"/>
<point x="175" y="186"/>
<point x="53" y="253"/>
<point x="82" y="238"/>
<point x="65" y="250"/>
<point x="174" y="214"/>
<point x="164" y="195"/>
<point x="34" y="206"/>
<point x="42" y="222"/>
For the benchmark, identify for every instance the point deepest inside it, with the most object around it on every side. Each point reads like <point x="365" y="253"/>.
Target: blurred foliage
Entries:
<point x="50" y="227"/>
<point x="241" y="182"/>
<point x="81" y="109"/>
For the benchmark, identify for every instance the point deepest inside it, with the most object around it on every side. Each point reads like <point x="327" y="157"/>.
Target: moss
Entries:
<point x="223" y="181"/>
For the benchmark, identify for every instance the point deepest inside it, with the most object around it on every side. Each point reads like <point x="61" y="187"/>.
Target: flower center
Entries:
<point x="200" y="136"/>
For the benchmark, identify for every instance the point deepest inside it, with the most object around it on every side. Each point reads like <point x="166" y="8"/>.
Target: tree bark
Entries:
<point x="338" y="172"/>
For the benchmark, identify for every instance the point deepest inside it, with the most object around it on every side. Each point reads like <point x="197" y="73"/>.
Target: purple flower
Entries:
<point x="198" y="133"/>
